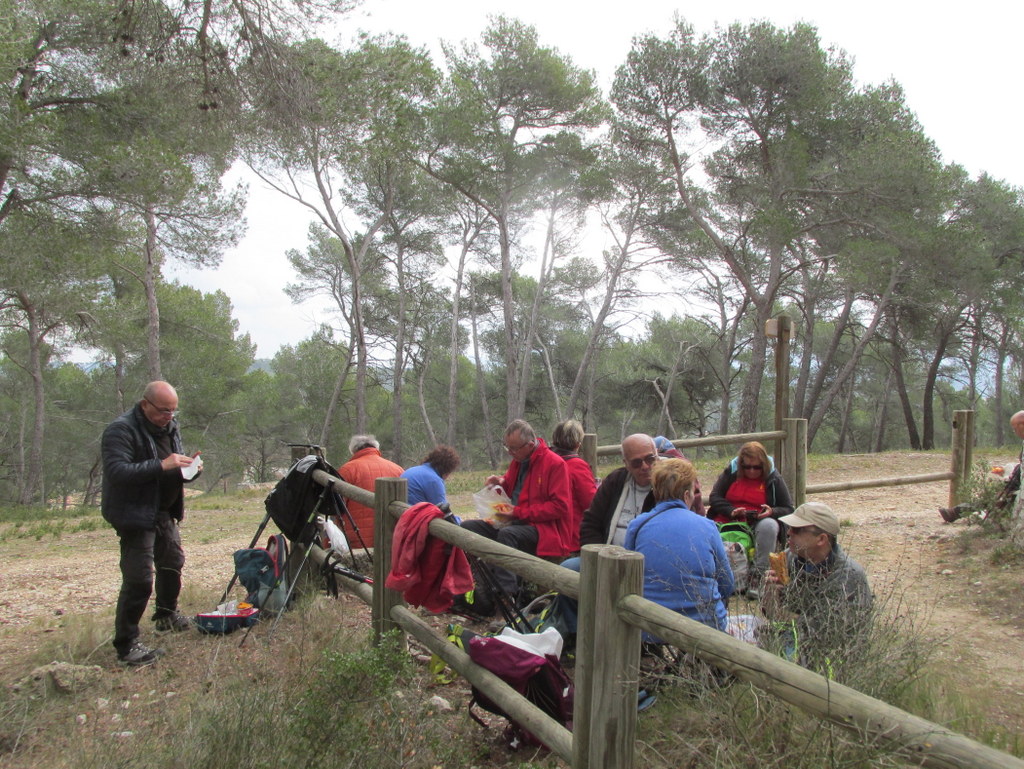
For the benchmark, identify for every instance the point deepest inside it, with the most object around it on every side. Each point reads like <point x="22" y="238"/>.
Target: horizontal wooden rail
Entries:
<point x="532" y="718"/>
<point x="878" y="723"/>
<point x="615" y="449"/>
<point x="825" y="488"/>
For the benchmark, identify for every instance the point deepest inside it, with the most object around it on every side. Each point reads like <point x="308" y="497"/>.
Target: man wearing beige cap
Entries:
<point x="822" y="605"/>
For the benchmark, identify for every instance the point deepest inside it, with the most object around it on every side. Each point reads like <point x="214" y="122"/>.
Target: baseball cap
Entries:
<point x="813" y="514"/>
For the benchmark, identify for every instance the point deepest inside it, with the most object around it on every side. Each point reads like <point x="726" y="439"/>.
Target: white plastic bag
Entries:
<point x="492" y="501"/>
<point x="337" y="538"/>
<point x="547" y="642"/>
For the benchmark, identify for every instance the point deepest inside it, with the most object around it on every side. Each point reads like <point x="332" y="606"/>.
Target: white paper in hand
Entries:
<point x="191" y="470"/>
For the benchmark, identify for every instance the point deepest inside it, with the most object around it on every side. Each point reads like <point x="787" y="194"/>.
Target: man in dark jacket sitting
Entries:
<point x="144" y="469"/>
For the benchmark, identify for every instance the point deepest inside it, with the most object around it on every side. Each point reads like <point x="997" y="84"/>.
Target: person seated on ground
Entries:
<point x="667" y="450"/>
<point x="1007" y="495"/>
<point x="362" y="470"/>
<point x="425" y="482"/>
<point x="623" y="494"/>
<point x="537" y="483"/>
<point x="820" y="609"/>
<point x="751" y="490"/>
<point x="566" y="439"/>
<point x="686" y="568"/>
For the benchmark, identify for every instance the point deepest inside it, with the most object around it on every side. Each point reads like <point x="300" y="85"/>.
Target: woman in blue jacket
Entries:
<point x="686" y="568"/>
<point x="426" y="482"/>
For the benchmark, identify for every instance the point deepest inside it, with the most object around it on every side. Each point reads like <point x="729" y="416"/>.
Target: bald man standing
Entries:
<point x="143" y="499"/>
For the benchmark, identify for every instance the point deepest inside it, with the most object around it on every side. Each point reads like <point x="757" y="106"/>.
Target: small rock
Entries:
<point x="81" y="719"/>
<point x="946" y="572"/>
<point x="440" y="703"/>
<point x="60" y="677"/>
<point x="977" y="584"/>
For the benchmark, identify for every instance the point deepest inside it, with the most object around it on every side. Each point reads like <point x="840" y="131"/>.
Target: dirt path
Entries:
<point x="970" y="610"/>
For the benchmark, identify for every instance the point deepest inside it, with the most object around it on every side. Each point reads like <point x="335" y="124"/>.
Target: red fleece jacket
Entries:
<point x="428" y="570"/>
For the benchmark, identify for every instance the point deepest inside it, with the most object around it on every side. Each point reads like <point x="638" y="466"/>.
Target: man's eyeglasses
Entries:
<point x="639" y="462"/>
<point x="520" y="447"/>
<point x="750" y="467"/>
<point x="165" y="412"/>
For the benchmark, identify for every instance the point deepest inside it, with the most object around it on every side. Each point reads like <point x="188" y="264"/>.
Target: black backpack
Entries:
<point x="291" y="502"/>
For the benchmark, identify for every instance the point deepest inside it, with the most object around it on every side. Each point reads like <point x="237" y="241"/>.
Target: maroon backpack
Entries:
<point x="540" y="679"/>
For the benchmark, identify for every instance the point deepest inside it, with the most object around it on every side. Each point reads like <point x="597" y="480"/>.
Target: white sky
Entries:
<point x="959" y="66"/>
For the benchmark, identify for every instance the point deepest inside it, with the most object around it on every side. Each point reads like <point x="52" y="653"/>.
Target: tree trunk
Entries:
<point x="398" y="369"/>
<point x="882" y="416"/>
<point x="512" y="388"/>
<point x="332" y="406"/>
<point x="422" y="401"/>
<point x="1002" y="353"/>
<point x="453" y="349"/>
<point x="481" y="384"/>
<point x="152" y="274"/>
<point x="827" y="362"/>
<point x="750" y="396"/>
<point x="928" y="396"/>
<point x="30" y="488"/>
<point x="844" y="428"/>
<point x="901" y="389"/>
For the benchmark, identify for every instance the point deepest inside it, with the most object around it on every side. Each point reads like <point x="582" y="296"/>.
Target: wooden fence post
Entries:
<point x="386" y="491"/>
<point x="781" y="328"/>
<point x="588" y="450"/>
<point x="607" y="660"/>
<point x="960" y="454"/>
<point x="794" y="468"/>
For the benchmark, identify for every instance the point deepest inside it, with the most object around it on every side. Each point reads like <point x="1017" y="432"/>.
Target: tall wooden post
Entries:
<point x="607" y="660"/>
<point x="781" y="329"/>
<point x="386" y="491"/>
<point x="588" y="450"/>
<point x="961" y="453"/>
<point x="794" y="470"/>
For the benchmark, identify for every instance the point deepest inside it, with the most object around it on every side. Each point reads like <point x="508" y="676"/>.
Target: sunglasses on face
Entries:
<point x="750" y="467"/>
<point x="649" y="460"/>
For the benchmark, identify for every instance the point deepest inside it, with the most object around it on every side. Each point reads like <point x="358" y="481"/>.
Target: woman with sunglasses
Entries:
<point x="751" y="491"/>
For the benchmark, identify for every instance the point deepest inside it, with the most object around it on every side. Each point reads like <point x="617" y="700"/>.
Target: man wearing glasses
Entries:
<point x="537" y="483"/>
<point x="820" y="606"/>
<point x="144" y="469"/>
<point x="622" y="495"/>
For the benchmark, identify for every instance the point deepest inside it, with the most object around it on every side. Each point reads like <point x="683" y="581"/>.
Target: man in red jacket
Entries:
<point x="537" y="482"/>
<point x="362" y="470"/>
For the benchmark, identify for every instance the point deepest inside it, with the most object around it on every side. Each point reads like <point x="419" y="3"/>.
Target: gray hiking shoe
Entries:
<point x="949" y="514"/>
<point x="139" y="655"/>
<point x="173" y="623"/>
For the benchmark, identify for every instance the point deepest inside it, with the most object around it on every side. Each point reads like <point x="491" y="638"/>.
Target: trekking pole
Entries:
<point x="506" y="605"/>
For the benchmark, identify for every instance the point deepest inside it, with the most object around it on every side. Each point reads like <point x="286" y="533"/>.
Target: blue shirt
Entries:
<point x="425" y="485"/>
<point x="686" y="568"/>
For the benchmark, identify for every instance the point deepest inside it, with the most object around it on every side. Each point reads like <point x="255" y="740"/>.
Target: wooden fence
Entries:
<point x="612" y="613"/>
<point x="793" y="464"/>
